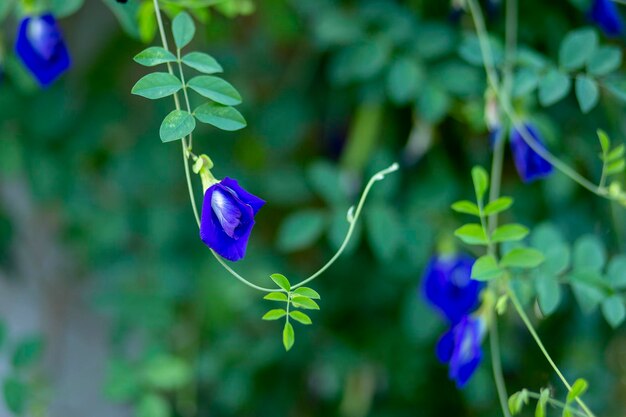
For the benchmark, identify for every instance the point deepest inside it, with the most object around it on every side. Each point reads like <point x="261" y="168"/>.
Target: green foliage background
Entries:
<point x="332" y="92"/>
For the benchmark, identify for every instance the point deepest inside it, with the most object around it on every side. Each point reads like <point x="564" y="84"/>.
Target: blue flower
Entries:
<point x="530" y="166"/>
<point x="460" y="348"/>
<point x="449" y="287"/>
<point x="227" y="218"/>
<point x="41" y="48"/>
<point x="605" y="14"/>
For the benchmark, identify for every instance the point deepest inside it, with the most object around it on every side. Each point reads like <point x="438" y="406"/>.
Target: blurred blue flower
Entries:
<point x="227" y="218"/>
<point x="605" y="14"/>
<point x="41" y="48"/>
<point x="530" y="166"/>
<point x="448" y="285"/>
<point x="460" y="348"/>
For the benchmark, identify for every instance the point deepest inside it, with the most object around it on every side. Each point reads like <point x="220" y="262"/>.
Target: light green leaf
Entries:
<point x="222" y="117"/>
<point x="274" y="314"/>
<point x="177" y="125"/>
<point x="502" y="304"/>
<point x="146" y="21"/>
<point x="60" y="8"/>
<point x="588" y="290"/>
<point x="613" y="310"/>
<point x="216" y="89"/>
<point x="517" y="401"/>
<point x="472" y="234"/>
<point x="157" y="85"/>
<point x="615" y="167"/>
<point x="522" y="258"/>
<point x="587" y="93"/>
<point x="589" y="254"/>
<point x="579" y="387"/>
<point x="466" y="207"/>
<point x="152" y="405"/>
<point x="486" y="268"/>
<point x="276" y="296"/>
<point x="15" y="395"/>
<point x="577" y="48"/>
<point x="384" y="231"/>
<point x="605" y="60"/>
<point x="616" y="272"/>
<point x="525" y="82"/>
<point x="498" y="206"/>
<point x="509" y="233"/>
<point x="605" y="141"/>
<point x="299" y="316"/>
<point x="616" y="153"/>
<point x="154" y="55"/>
<point x="202" y="62"/>
<point x="301" y="229"/>
<point x="481" y="181"/>
<point x="304" y="302"/>
<point x="183" y="29"/>
<point x="307" y="292"/>
<point x="281" y="281"/>
<point x="288" y="336"/>
<point x="544" y="396"/>
<point x="553" y="87"/>
<point x="548" y="293"/>
<point x="167" y="372"/>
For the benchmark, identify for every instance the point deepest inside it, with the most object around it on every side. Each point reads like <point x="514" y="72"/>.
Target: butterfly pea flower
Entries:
<point x="41" y="48"/>
<point x="448" y="286"/>
<point x="460" y="348"/>
<point x="530" y="165"/>
<point x="606" y="15"/>
<point x="227" y="218"/>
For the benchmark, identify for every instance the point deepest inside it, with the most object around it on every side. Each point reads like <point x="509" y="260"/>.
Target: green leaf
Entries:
<point x="146" y="22"/>
<point x="472" y="234"/>
<point x="15" y="395"/>
<point x="553" y="87"/>
<point x="216" y="89"/>
<point x="404" y="80"/>
<point x="577" y="48"/>
<point x="548" y="293"/>
<point x="281" y="281"/>
<point x="615" y="167"/>
<point x="276" y="296"/>
<point x="288" y="336"/>
<point x="61" y="8"/>
<point x="616" y="153"/>
<point x="579" y="387"/>
<point x="307" y="292"/>
<point x="498" y="206"/>
<point x="509" y="233"/>
<point x="587" y="93"/>
<point x="616" y="272"/>
<point x="525" y="82"/>
<point x="385" y="232"/>
<point x="613" y="310"/>
<point x="222" y="117"/>
<point x="301" y="229"/>
<point x="177" y="125"/>
<point x="544" y="396"/>
<point x="202" y="62"/>
<point x="466" y="207"/>
<point x="152" y="405"/>
<point x="589" y="254"/>
<point x="300" y="317"/>
<point x="605" y="60"/>
<point x="588" y="290"/>
<point x="502" y="304"/>
<point x="617" y="87"/>
<point x="481" y="181"/>
<point x="274" y="314"/>
<point x="304" y="302"/>
<point x="605" y="141"/>
<point x="27" y="352"/>
<point x="517" y="401"/>
<point x="167" y="372"/>
<point x="154" y="55"/>
<point x="486" y="268"/>
<point x="157" y="85"/>
<point x="522" y="258"/>
<point x="183" y="29"/>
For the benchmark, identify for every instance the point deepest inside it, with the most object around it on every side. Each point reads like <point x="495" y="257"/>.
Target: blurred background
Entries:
<point x="110" y="304"/>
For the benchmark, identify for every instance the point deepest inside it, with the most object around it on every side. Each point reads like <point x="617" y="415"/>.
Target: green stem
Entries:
<point x="531" y="329"/>
<point x="556" y="403"/>
<point x="498" y="376"/>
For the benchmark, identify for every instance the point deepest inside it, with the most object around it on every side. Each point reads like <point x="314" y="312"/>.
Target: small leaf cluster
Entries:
<point x="301" y="298"/>
<point x="487" y="267"/>
<point x="19" y="387"/>
<point x="518" y="400"/>
<point x="612" y="157"/>
<point x="218" y="111"/>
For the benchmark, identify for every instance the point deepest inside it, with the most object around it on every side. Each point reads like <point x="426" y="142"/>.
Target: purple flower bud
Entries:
<point x="227" y="218"/>
<point x="460" y="348"/>
<point x="449" y="287"/>
<point x="530" y="166"/>
<point x="41" y="48"/>
<point x="605" y="14"/>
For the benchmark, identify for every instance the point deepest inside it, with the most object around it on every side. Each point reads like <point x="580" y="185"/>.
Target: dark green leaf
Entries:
<point x="616" y="272"/>
<point x="548" y="293"/>
<point x="404" y="80"/>
<point x="167" y="372"/>
<point x="152" y="405"/>
<point x="15" y="395"/>
<point x="589" y="254"/>
<point x="300" y="317"/>
<point x="154" y="55"/>
<point x="525" y="82"/>
<point x="202" y="62"/>
<point x="577" y="47"/>
<point x="183" y="29"/>
<point x="222" y="117"/>
<point x="216" y="89"/>
<point x="281" y="281"/>
<point x="384" y="231"/>
<point x="605" y="60"/>
<point x="157" y="85"/>
<point x="177" y="125"/>
<point x="274" y="314"/>
<point x="27" y="352"/>
<point x="553" y="87"/>
<point x="613" y="310"/>
<point x="587" y="93"/>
